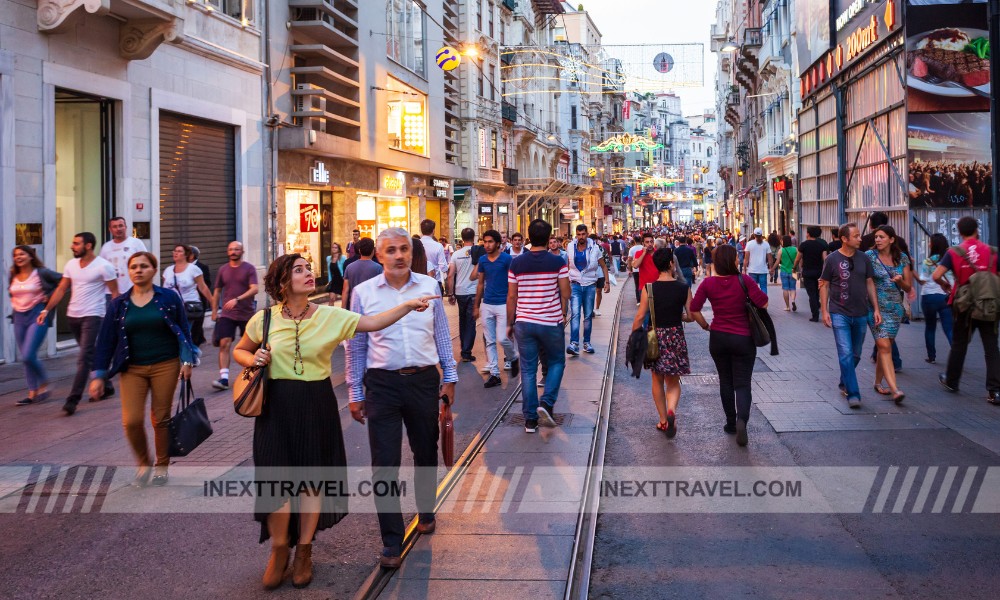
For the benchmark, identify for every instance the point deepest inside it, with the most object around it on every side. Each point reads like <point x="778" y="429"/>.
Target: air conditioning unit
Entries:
<point x="311" y="103"/>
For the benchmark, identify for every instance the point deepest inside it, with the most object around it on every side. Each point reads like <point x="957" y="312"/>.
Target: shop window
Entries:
<point x="302" y="227"/>
<point x="404" y="38"/>
<point x="407" y="118"/>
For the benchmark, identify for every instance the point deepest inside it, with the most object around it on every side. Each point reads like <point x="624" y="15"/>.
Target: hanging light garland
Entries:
<point x="627" y="142"/>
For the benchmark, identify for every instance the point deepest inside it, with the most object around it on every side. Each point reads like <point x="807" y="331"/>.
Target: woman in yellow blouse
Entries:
<point x="299" y="428"/>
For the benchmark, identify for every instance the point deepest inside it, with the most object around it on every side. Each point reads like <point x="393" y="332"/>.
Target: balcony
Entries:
<point x="508" y="112"/>
<point x="144" y="24"/>
<point x="752" y="37"/>
<point x="509" y="4"/>
<point x="495" y="176"/>
<point x="510" y="176"/>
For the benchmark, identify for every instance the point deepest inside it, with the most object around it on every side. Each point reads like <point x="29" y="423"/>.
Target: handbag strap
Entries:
<point x="267" y="326"/>
<point x="649" y="301"/>
<point x="743" y="285"/>
<point x="185" y="395"/>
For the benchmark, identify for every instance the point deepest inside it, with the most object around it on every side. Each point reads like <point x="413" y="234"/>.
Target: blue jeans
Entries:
<point x="761" y="279"/>
<point x="582" y="301"/>
<point x="532" y="338"/>
<point x="688" y="274"/>
<point x="935" y="306"/>
<point x="849" y="333"/>
<point x="30" y="336"/>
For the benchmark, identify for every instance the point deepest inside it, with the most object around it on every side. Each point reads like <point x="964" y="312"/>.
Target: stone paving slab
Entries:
<point x="510" y="558"/>
<point x="443" y="589"/>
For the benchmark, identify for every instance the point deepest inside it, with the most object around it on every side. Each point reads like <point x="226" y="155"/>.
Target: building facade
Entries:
<point x="146" y="110"/>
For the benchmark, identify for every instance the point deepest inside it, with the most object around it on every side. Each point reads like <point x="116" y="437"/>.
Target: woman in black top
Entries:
<point x="671" y="307"/>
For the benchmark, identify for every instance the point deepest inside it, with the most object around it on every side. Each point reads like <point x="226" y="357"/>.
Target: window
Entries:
<point x="404" y="37"/>
<point x="493" y="149"/>
<point x="407" y="118"/>
<point x="490" y="8"/>
<point x="482" y="88"/>
<point x="241" y="10"/>
<point x="576" y="163"/>
<point x="572" y="117"/>
<point x="479" y="15"/>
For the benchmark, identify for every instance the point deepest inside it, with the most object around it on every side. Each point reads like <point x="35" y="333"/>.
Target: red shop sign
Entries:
<point x="309" y="218"/>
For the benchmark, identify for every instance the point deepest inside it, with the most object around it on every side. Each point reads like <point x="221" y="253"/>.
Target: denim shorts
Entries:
<point x="787" y="281"/>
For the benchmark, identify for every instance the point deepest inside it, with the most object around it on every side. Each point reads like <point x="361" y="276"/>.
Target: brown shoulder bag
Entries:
<point x="248" y="388"/>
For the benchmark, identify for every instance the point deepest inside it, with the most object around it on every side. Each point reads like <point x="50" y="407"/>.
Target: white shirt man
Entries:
<point x="117" y="251"/>
<point x="437" y="264"/>
<point x="755" y="260"/>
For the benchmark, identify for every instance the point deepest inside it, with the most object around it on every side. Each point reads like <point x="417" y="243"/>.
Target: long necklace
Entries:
<point x="298" y="366"/>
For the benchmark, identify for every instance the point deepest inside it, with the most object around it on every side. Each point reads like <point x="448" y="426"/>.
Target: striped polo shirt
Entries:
<point x="537" y="276"/>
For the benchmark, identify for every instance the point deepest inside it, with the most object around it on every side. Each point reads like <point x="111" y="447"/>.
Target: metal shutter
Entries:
<point x="197" y="187"/>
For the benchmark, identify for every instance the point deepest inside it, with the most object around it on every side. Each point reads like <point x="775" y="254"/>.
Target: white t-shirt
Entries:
<point x="758" y="256"/>
<point x="516" y="254"/>
<point x="183" y="283"/>
<point x="633" y="253"/>
<point x="118" y="254"/>
<point x="435" y="256"/>
<point x="462" y="259"/>
<point x="88" y="287"/>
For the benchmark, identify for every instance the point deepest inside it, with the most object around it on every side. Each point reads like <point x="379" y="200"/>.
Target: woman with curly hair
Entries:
<point x="299" y="428"/>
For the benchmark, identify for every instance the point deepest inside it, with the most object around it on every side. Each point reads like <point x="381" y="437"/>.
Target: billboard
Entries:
<point x="949" y="159"/>
<point x="947" y="56"/>
<point x="812" y="26"/>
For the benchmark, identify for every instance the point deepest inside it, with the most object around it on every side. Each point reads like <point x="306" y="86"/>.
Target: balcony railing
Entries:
<point x="752" y="37"/>
<point x="510" y="176"/>
<point x="509" y="4"/>
<point x="508" y="112"/>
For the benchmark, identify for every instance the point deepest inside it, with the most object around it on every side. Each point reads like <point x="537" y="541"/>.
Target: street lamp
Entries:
<point x="729" y="46"/>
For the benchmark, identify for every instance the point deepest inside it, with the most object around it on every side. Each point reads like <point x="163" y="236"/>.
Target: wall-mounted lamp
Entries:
<point x="729" y="46"/>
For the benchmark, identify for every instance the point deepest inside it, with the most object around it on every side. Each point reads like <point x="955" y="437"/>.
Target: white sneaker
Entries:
<point x="485" y="369"/>
<point x="597" y="313"/>
<point x="506" y="365"/>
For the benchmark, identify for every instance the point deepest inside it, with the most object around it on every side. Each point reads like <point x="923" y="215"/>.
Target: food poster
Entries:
<point x="947" y="56"/>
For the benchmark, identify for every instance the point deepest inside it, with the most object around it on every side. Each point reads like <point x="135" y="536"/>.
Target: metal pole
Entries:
<point x="994" y="19"/>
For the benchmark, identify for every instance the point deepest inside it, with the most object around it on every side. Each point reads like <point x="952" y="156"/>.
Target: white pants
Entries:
<point x="495" y="329"/>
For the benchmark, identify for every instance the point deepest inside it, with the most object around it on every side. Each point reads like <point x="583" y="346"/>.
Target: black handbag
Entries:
<point x="189" y="426"/>
<point x="757" y="328"/>
<point x="195" y="309"/>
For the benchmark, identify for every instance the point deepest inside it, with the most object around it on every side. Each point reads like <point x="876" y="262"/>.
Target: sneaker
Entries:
<point x="597" y="312"/>
<point x="671" y="425"/>
<point x="109" y="390"/>
<point x="730" y="429"/>
<point x="573" y="349"/>
<point x="506" y="365"/>
<point x="70" y="407"/>
<point x="794" y="308"/>
<point x="541" y="383"/>
<point x="843" y="389"/>
<point x="24" y="402"/>
<point x="493" y="381"/>
<point x="221" y="384"/>
<point x="994" y="398"/>
<point x="588" y="348"/>
<point x="546" y="415"/>
<point x="515" y="367"/>
<point x="485" y="369"/>
<point x="854" y="402"/>
<point x="530" y="425"/>
<point x="943" y="380"/>
<point x="638" y="303"/>
<point x="741" y="432"/>
<point x="468" y="358"/>
<point x="814" y="320"/>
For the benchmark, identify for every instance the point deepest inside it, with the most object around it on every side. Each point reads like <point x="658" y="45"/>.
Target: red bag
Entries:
<point x="447" y="426"/>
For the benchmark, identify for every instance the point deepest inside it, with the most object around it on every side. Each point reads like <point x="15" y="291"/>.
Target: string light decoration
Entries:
<point x="627" y="142"/>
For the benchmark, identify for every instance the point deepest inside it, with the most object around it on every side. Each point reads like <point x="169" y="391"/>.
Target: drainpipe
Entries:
<point x="269" y="131"/>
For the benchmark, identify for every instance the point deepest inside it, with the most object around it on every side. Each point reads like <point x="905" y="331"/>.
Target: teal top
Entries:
<point x="150" y="339"/>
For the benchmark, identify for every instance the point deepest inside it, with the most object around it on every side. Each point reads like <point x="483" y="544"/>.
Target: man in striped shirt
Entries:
<point x="537" y="301"/>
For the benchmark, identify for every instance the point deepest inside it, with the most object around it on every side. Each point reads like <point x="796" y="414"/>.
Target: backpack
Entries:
<point x="981" y="294"/>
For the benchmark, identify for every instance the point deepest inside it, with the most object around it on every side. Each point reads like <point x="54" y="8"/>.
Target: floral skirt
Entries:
<point x="673" y="352"/>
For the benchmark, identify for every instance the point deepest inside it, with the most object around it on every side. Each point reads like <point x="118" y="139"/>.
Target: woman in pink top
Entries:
<point x="30" y="286"/>
<point x="730" y="342"/>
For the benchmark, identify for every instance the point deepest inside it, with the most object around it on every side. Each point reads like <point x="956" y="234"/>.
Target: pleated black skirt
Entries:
<point x="298" y="439"/>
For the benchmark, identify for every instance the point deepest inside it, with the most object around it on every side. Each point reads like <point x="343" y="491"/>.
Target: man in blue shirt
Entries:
<point x="491" y="303"/>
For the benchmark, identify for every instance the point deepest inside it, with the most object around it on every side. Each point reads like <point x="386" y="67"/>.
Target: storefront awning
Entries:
<point x="462" y="193"/>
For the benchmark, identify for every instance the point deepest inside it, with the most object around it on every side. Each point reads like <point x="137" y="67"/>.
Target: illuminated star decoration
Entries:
<point x="627" y="142"/>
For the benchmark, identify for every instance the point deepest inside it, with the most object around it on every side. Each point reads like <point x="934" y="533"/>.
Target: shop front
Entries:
<point x="783" y="205"/>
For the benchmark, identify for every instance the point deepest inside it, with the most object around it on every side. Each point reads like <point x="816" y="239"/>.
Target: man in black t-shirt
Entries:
<point x="810" y="257"/>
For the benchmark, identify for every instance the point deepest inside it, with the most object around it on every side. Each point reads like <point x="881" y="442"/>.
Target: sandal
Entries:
<point x="662" y="426"/>
<point x="671" y="425"/>
<point x="882" y="390"/>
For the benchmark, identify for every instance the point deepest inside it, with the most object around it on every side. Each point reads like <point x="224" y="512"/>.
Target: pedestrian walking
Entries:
<point x="968" y="258"/>
<point x="730" y="342"/>
<point x="617" y="252"/>
<point x="933" y="299"/>
<point x="87" y="277"/>
<point x="119" y="249"/>
<point x="461" y="288"/>
<point x="556" y="248"/>
<point x="809" y="261"/>
<point x="437" y="263"/>
<point x="774" y="242"/>
<point x="537" y="302"/>
<point x="300" y="425"/>
<point x="757" y="257"/>
<point x="235" y="288"/>
<point x="516" y="245"/>
<point x="198" y="323"/>
<point x="847" y="296"/>
<point x="335" y="263"/>
<point x="393" y="381"/>
<point x="707" y="258"/>
<point x="419" y="260"/>
<point x="642" y="245"/>
<point x="491" y="302"/>
<point x="146" y="338"/>
<point x="893" y="279"/>
<point x="352" y="246"/>
<point x="586" y="267"/>
<point x="361" y="270"/>
<point x="605" y="280"/>
<point x="671" y="305"/>
<point x="187" y="280"/>
<point x="784" y="264"/>
<point x="30" y="285"/>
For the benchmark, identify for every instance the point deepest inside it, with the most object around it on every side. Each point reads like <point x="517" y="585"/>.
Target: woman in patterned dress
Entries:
<point x="671" y="307"/>
<point x="893" y="279"/>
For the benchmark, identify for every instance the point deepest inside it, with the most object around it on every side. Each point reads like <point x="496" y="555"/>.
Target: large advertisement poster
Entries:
<point x="812" y="38"/>
<point x="948" y="57"/>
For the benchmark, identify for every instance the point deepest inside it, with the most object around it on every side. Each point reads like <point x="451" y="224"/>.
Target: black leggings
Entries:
<point x="734" y="356"/>
<point x="638" y="292"/>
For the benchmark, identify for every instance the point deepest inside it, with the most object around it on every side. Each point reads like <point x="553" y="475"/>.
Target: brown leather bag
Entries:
<point x="248" y="387"/>
<point x="447" y="426"/>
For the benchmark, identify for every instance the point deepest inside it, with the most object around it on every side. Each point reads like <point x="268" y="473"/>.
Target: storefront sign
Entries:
<point x="486" y="209"/>
<point x="852" y="10"/>
<point x="319" y="174"/>
<point x="309" y="218"/>
<point x="780" y="184"/>
<point x="502" y="209"/>
<point x="391" y="183"/>
<point x="441" y="188"/>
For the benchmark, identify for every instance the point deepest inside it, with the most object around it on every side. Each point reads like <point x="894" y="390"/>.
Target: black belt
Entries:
<point x="406" y="370"/>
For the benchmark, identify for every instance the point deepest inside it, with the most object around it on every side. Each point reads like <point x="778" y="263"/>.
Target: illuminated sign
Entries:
<point x="502" y="209"/>
<point x="319" y="174"/>
<point x="852" y="11"/>
<point x="627" y="142"/>
<point x="780" y="185"/>
<point x="441" y="183"/>
<point x="486" y="209"/>
<point x="862" y="38"/>
<point x="309" y="218"/>
<point x="391" y="183"/>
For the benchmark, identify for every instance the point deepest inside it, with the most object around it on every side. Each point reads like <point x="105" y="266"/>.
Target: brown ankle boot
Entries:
<point x="302" y="566"/>
<point x="276" y="567"/>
